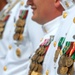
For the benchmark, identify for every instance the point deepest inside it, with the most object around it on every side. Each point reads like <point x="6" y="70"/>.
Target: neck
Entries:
<point x="57" y="12"/>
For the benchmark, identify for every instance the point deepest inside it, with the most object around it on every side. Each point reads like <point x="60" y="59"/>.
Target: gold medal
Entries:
<point x="40" y="59"/>
<point x="71" y="70"/>
<point x="69" y="61"/>
<point x="62" y="60"/>
<point x="1" y="30"/>
<point x="63" y="70"/>
<point x="32" y="66"/>
<point x="20" y="23"/>
<point x="16" y="36"/>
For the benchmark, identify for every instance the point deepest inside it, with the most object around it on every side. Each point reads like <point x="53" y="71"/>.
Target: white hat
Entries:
<point x="67" y="3"/>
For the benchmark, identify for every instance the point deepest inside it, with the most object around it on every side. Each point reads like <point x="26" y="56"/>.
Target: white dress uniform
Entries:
<point x="10" y="63"/>
<point x="50" y="29"/>
<point x="66" y="29"/>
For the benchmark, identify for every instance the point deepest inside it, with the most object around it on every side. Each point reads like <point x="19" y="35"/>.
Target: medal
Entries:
<point x="38" y="58"/>
<point x="60" y="44"/>
<point x="20" y="24"/>
<point x="63" y="70"/>
<point x="62" y="60"/>
<point x="66" y="61"/>
<point x="69" y="61"/>
<point x="71" y="70"/>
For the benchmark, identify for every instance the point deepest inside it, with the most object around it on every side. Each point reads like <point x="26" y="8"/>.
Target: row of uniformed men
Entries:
<point x="19" y="66"/>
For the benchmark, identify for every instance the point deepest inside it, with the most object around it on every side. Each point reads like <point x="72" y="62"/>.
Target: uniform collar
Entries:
<point x="50" y="26"/>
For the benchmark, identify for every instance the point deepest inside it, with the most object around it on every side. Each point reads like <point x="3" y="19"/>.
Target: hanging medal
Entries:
<point x="68" y="56"/>
<point x="20" y="24"/>
<point x="3" y="22"/>
<point x="38" y="57"/>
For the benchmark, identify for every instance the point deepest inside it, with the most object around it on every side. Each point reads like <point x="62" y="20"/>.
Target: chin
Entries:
<point x="36" y="19"/>
<point x="33" y="18"/>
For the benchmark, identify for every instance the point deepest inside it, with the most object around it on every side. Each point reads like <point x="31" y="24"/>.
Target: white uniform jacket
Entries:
<point x="67" y="30"/>
<point x="10" y="63"/>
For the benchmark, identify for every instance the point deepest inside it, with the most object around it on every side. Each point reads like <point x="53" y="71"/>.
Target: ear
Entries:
<point x="57" y="3"/>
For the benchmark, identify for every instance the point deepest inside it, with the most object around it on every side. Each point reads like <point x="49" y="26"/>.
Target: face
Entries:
<point x="42" y="10"/>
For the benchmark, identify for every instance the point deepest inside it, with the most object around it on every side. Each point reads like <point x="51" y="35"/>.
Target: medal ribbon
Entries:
<point x="69" y="49"/>
<point x="23" y="14"/>
<point x="46" y="45"/>
<point x="61" y="41"/>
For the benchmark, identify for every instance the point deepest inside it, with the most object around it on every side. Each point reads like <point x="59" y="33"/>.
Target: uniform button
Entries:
<point x="22" y="2"/>
<point x="10" y="46"/>
<point x="41" y="39"/>
<point x="65" y="14"/>
<point x="66" y="3"/>
<point x="14" y="24"/>
<point x="74" y="20"/>
<point x="5" y="68"/>
<point x="18" y="52"/>
<point x="45" y="30"/>
<point x="47" y="72"/>
<point x="54" y="44"/>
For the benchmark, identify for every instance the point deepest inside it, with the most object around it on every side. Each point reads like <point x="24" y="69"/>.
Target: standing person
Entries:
<point x="46" y="13"/>
<point x="16" y="65"/>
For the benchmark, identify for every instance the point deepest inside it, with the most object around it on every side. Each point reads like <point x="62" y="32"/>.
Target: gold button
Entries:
<point x="66" y="3"/>
<point x="41" y="39"/>
<point x="22" y="2"/>
<point x="10" y="46"/>
<point x="5" y="68"/>
<point x="18" y="52"/>
<point x="8" y="8"/>
<point x="65" y="14"/>
<point x="47" y="72"/>
<point x="14" y="24"/>
<point x="45" y="30"/>
<point x="55" y="44"/>
<point x="74" y="20"/>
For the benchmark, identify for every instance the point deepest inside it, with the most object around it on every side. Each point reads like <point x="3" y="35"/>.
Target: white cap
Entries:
<point x="67" y="3"/>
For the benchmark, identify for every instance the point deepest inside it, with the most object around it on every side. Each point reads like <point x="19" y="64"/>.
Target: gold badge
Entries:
<point x="55" y="44"/>
<point x="65" y="14"/>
